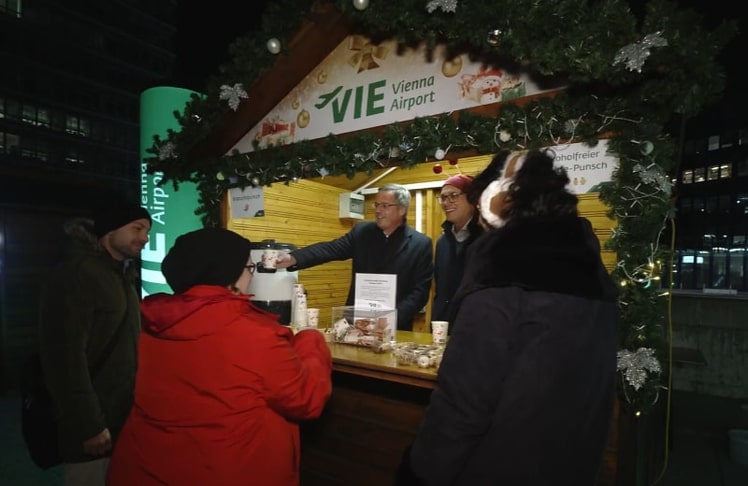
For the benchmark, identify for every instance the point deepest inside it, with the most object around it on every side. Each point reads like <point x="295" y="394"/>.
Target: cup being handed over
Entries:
<point x="285" y="260"/>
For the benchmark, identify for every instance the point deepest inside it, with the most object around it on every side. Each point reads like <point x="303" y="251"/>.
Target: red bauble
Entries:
<point x="452" y="161"/>
<point x="438" y="168"/>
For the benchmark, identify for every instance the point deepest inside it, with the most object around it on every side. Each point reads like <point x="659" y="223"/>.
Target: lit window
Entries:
<point x="713" y="143"/>
<point x="725" y="171"/>
<point x="687" y="177"/>
<point x="712" y="173"/>
<point x="699" y="175"/>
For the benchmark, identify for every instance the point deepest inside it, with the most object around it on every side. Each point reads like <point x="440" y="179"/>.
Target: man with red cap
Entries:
<point x="461" y="228"/>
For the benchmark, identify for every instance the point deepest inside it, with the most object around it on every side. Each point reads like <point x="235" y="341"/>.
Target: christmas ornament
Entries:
<point x="452" y="67"/>
<point x="505" y="136"/>
<point x="233" y="94"/>
<point x="219" y="176"/>
<point x="437" y="168"/>
<point x="646" y="147"/>
<point x="322" y="77"/>
<point x="635" y="54"/>
<point x="196" y="118"/>
<point x="654" y="175"/>
<point x="302" y="119"/>
<point x="446" y="5"/>
<point x="167" y="151"/>
<point x="255" y="181"/>
<point x="635" y="365"/>
<point x="361" y="4"/>
<point x="493" y="37"/>
<point x="274" y="46"/>
<point x="452" y="161"/>
<point x="295" y="104"/>
<point x="439" y="154"/>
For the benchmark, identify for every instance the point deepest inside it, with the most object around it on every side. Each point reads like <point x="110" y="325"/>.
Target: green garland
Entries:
<point x="573" y="40"/>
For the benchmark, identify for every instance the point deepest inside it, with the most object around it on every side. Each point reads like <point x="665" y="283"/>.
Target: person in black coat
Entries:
<point x="387" y="245"/>
<point x="527" y="383"/>
<point x="460" y="229"/>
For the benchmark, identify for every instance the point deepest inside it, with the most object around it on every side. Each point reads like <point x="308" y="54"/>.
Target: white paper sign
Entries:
<point x="247" y="202"/>
<point x="586" y="166"/>
<point x="375" y="291"/>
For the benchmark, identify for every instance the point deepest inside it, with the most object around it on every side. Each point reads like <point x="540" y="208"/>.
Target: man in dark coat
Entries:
<point x="460" y="229"/>
<point x="387" y="245"/>
<point x="526" y="386"/>
<point x="89" y="327"/>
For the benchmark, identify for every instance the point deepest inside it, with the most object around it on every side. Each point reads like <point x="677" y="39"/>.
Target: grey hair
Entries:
<point x="402" y="194"/>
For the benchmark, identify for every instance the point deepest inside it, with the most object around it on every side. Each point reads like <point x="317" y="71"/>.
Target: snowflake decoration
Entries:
<point x="445" y="5"/>
<point x="654" y="175"/>
<point x="167" y="151"/>
<point x="635" y="54"/>
<point x="233" y="94"/>
<point x="635" y="365"/>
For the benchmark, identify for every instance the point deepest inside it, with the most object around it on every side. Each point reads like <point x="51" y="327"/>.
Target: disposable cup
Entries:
<point x="312" y="317"/>
<point x="269" y="258"/>
<point x="439" y="330"/>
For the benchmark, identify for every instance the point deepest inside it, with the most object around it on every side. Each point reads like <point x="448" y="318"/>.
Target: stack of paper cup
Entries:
<point x="298" y="289"/>
<point x="301" y="314"/>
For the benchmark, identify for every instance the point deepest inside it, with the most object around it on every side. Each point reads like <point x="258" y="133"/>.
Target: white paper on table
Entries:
<point x="375" y="291"/>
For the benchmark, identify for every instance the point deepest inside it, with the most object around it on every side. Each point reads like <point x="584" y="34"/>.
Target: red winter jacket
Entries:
<point x="220" y="389"/>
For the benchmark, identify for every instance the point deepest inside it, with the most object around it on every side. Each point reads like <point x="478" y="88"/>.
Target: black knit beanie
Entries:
<point x="208" y="256"/>
<point x="112" y="217"/>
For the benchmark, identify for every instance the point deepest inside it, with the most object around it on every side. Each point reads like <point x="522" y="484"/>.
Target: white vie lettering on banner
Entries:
<point x="247" y="202"/>
<point x="361" y="85"/>
<point x="586" y="166"/>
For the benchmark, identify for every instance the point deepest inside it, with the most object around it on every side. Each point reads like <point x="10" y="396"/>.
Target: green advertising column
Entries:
<point x="173" y="212"/>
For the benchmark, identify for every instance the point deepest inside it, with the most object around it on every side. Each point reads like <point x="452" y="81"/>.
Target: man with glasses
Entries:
<point x="387" y="245"/>
<point x="460" y="229"/>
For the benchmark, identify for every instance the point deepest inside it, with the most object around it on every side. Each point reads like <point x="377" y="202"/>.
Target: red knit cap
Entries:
<point x="461" y="182"/>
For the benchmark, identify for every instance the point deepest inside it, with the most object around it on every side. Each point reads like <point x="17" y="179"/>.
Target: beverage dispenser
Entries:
<point x="273" y="289"/>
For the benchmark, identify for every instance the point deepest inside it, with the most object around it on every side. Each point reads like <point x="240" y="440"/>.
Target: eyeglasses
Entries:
<point x="451" y="197"/>
<point x="383" y="205"/>
<point x="251" y="268"/>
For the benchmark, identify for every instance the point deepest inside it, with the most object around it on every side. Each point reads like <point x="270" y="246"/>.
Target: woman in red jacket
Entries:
<point x="221" y="386"/>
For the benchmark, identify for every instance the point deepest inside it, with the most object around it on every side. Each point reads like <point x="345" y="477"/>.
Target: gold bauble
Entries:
<point x="452" y="66"/>
<point x="322" y="77"/>
<point x="303" y="118"/>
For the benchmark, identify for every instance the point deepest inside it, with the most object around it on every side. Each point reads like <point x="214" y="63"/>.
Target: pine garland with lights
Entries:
<point x="626" y="77"/>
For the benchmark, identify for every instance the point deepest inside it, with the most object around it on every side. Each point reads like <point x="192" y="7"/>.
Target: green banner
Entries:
<point x="173" y="212"/>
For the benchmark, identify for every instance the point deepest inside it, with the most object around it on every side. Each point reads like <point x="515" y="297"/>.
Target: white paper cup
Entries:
<point x="312" y="317"/>
<point x="439" y="331"/>
<point x="269" y="258"/>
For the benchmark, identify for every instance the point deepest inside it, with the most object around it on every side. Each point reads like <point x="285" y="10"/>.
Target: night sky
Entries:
<point x="204" y="33"/>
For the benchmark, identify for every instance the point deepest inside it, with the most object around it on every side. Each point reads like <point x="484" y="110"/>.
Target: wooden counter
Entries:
<point x="362" y="361"/>
<point x="372" y="416"/>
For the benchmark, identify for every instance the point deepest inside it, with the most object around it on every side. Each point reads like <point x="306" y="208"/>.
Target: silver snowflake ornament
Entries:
<point x="233" y="94"/>
<point x="636" y="365"/>
<point x="445" y="5"/>
<point x="653" y="175"/>
<point x="167" y="151"/>
<point x="635" y="54"/>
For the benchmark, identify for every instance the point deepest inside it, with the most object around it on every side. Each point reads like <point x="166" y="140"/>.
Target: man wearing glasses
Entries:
<point x="460" y="229"/>
<point x="387" y="245"/>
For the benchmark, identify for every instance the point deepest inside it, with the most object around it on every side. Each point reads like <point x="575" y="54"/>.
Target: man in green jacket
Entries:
<point x="89" y="326"/>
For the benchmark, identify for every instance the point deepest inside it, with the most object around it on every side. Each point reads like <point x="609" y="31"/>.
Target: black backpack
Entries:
<point x="38" y="425"/>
